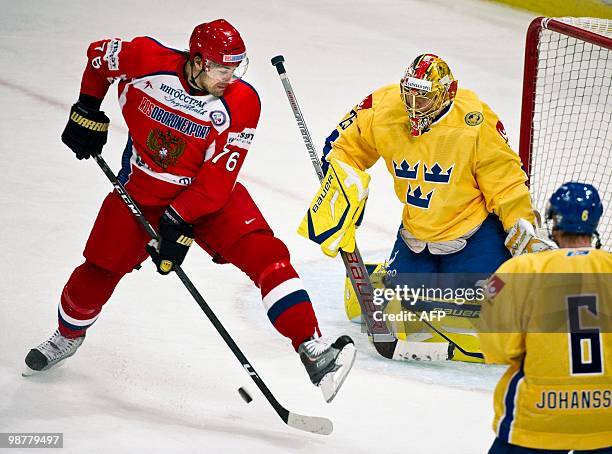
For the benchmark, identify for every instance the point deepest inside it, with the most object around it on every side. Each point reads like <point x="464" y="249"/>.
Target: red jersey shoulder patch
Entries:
<point x="494" y="286"/>
<point x="502" y="131"/>
<point x="366" y="103"/>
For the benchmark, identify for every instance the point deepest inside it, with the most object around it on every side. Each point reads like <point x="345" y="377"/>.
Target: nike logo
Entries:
<point x="249" y="221"/>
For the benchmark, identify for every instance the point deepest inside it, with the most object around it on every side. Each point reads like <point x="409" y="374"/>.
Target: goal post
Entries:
<point x="566" y="114"/>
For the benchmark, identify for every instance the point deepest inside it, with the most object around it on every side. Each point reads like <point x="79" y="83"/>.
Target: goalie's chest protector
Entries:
<point x="434" y="174"/>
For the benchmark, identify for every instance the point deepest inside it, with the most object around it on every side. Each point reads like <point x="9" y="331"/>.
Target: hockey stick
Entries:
<point x="445" y="337"/>
<point x="312" y="424"/>
<point x="385" y="343"/>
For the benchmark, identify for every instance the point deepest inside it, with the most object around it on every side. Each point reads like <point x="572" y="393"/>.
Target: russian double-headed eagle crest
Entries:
<point x="166" y="148"/>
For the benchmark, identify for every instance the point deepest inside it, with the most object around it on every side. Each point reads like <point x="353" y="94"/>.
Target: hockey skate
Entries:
<point x="327" y="363"/>
<point x="51" y="353"/>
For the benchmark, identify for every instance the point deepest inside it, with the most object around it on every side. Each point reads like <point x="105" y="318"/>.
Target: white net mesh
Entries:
<point x="571" y="130"/>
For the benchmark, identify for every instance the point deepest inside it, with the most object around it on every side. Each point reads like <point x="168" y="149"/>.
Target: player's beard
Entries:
<point x="218" y="88"/>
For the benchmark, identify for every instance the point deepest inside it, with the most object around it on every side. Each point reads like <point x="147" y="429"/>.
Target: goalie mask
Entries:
<point x="427" y="88"/>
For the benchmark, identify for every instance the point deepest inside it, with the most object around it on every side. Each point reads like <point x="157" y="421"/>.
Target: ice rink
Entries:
<point x="153" y="375"/>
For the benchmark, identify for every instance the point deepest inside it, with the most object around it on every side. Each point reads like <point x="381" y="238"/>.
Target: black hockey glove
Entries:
<point x="175" y="238"/>
<point x="86" y="131"/>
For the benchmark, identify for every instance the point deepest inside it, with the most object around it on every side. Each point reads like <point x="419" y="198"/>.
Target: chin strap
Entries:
<point x="597" y="240"/>
<point x="192" y="79"/>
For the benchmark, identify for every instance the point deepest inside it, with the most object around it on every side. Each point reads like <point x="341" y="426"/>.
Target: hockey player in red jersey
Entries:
<point x="191" y="121"/>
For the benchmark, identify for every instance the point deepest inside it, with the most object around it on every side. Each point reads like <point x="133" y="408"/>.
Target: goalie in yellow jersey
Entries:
<point x="466" y="206"/>
<point x="549" y="316"/>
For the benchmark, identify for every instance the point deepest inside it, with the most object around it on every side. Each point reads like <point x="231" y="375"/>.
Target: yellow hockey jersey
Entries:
<point x="549" y="315"/>
<point x="449" y="178"/>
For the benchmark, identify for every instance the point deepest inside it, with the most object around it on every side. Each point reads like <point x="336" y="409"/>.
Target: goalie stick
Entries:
<point x="313" y="424"/>
<point x="385" y="343"/>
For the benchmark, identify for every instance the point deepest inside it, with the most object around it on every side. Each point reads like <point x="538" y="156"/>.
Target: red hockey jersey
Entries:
<point x="185" y="147"/>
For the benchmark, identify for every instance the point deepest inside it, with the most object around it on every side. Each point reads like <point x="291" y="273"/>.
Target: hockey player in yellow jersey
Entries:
<point x="466" y="206"/>
<point x="549" y="316"/>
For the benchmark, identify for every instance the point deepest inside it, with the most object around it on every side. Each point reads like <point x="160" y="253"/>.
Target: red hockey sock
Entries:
<point x="287" y="302"/>
<point x="88" y="288"/>
<point x="265" y="259"/>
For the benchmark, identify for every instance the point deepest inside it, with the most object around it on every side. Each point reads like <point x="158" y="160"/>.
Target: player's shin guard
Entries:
<point x="265" y="259"/>
<point x="88" y="288"/>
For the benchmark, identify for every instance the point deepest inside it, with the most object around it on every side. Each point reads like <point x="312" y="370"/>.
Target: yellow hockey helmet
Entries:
<point x="427" y="88"/>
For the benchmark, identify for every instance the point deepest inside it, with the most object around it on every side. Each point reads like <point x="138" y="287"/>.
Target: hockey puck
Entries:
<point x="245" y="395"/>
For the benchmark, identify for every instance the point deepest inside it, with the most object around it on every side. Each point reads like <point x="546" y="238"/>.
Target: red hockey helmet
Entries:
<point x="217" y="41"/>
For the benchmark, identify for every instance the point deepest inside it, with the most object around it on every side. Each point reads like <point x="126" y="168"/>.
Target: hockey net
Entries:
<point x="566" y="118"/>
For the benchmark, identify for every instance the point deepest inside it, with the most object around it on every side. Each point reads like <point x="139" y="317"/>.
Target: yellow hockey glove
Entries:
<point x="522" y="239"/>
<point x="337" y="207"/>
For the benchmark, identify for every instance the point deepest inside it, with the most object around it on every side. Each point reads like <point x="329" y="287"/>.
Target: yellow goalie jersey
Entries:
<point x="549" y="315"/>
<point x="449" y="178"/>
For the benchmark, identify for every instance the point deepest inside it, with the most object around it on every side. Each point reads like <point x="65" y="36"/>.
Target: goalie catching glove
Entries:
<point x="522" y="239"/>
<point x="175" y="238"/>
<point x="337" y="208"/>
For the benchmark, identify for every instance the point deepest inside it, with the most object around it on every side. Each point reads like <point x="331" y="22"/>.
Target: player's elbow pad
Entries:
<point x="337" y="208"/>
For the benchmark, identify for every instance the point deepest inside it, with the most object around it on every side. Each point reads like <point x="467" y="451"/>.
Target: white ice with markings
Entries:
<point x="153" y="375"/>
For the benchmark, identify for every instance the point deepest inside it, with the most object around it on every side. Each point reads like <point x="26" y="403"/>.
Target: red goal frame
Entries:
<point x="530" y="74"/>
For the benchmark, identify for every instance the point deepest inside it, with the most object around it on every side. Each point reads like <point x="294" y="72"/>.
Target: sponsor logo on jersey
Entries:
<point x="166" y="147"/>
<point x="474" y="118"/>
<point x="148" y="84"/>
<point x="241" y="139"/>
<point x="217" y="117"/>
<point x="112" y="54"/>
<point x="173" y="120"/>
<point x="179" y="95"/>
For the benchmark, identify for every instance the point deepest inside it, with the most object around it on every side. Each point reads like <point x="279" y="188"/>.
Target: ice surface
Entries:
<point x="153" y="375"/>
